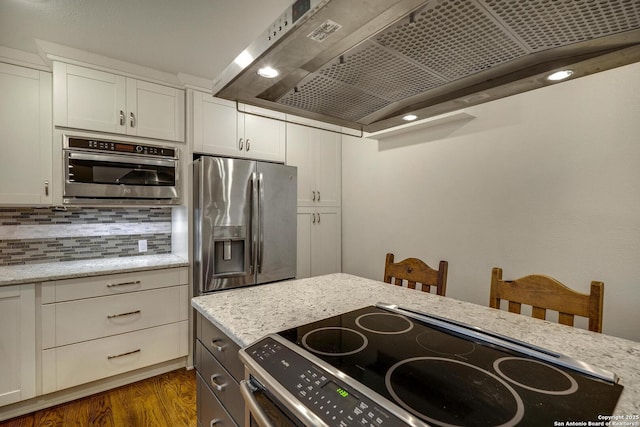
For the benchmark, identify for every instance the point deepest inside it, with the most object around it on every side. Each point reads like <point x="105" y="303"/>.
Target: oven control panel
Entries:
<point x="120" y="147"/>
<point x="324" y="394"/>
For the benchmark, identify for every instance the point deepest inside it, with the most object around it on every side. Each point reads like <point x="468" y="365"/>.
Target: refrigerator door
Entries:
<point x="223" y="190"/>
<point x="277" y="223"/>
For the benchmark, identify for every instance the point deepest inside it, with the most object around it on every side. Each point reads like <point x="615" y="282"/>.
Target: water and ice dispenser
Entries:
<point x="230" y="246"/>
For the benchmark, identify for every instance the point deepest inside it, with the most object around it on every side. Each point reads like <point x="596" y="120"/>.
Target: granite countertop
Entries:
<point x="30" y="273"/>
<point x="248" y="314"/>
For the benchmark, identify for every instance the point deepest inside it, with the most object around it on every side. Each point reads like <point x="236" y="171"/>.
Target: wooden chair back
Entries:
<point x="544" y="293"/>
<point x="416" y="271"/>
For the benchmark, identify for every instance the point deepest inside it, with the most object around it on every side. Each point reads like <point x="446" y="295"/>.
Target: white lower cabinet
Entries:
<point x="111" y="324"/>
<point x="80" y="363"/>
<point x="17" y="343"/>
<point x="319" y="241"/>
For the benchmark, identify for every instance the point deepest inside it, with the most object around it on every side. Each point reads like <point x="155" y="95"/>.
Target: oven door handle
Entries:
<point x="246" y="390"/>
<point x="134" y="160"/>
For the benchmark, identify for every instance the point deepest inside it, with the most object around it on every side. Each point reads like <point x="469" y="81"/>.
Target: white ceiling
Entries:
<point x="196" y="37"/>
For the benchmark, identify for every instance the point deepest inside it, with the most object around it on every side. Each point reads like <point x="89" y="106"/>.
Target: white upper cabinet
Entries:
<point x="317" y="154"/>
<point x="218" y="128"/>
<point x="25" y="136"/>
<point x="214" y="125"/>
<point x="96" y="100"/>
<point x="263" y="138"/>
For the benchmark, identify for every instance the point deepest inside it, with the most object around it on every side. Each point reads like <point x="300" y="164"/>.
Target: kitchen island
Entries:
<point x="248" y="314"/>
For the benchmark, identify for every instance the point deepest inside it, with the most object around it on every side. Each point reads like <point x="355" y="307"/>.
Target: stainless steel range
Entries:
<point x="386" y="366"/>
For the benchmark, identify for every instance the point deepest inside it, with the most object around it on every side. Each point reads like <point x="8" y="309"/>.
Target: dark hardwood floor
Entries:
<point x="165" y="400"/>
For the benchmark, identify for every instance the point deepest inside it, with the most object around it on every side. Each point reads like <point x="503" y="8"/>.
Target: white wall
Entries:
<point x="542" y="182"/>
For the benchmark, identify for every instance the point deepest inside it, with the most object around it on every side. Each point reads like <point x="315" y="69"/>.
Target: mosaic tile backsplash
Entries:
<point x="34" y="236"/>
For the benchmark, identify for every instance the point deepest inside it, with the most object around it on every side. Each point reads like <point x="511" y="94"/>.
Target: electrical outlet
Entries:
<point x="142" y="246"/>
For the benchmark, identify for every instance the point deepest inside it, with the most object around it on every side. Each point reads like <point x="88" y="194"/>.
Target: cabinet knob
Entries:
<point x="121" y="118"/>
<point x="46" y="188"/>
<point x="248" y="144"/>
<point x="241" y="144"/>
<point x="313" y="215"/>
<point x="318" y="196"/>
<point x="318" y="218"/>
<point x="132" y="120"/>
<point x="314" y="196"/>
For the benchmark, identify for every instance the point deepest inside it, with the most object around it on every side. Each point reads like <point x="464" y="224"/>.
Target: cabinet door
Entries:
<point x="303" y="268"/>
<point x="299" y="154"/>
<point x="319" y="242"/>
<point x="328" y="155"/>
<point x="317" y="153"/>
<point x="214" y="125"/>
<point x="326" y="255"/>
<point x="264" y="138"/>
<point x="154" y="111"/>
<point x="26" y="143"/>
<point x="17" y="343"/>
<point x="89" y="99"/>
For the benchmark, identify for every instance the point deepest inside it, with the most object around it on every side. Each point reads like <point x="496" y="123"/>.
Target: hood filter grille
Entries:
<point x="448" y="40"/>
<point x="333" y="98"/>
<point x="454" y="39"/>
<point x="542" y="25"/>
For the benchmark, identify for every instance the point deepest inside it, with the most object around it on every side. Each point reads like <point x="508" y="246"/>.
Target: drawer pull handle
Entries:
<point x="214" y="422"/>
<point x="217" y="386"/>
<point x="111" y="316"/>
<point x="217" y="347"/>
<point x="123" y="354"/>
<point x="113" y="285"/>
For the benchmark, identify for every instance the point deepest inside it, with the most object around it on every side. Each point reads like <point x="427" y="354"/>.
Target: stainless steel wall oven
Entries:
<point x="116" y="172"/>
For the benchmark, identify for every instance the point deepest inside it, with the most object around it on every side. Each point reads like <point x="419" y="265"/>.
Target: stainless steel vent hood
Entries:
<point x="364" y="64"/>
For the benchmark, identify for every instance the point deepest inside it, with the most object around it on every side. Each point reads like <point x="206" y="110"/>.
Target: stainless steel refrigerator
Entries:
<point x="245" y="223"/>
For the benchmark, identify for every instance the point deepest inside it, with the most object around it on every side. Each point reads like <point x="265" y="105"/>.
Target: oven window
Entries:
<point x="279" y="416"/>
<point x="93" y="172"/>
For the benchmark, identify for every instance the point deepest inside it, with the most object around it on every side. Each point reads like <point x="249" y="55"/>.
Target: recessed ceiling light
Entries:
<point x="243" y="59"/>
<point x="410" y="117"/>
<point x="559" y="75"/>
<point x="268" y="72"/>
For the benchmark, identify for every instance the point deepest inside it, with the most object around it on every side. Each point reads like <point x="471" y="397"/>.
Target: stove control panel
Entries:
<point x="327" y="396"/>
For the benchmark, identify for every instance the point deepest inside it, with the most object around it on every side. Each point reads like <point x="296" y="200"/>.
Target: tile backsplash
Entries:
<point x="34" y="236"/>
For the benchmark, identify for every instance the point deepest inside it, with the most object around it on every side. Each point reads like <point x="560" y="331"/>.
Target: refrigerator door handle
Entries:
<point x="253" y="225"/>
<point x="261" y="219"/>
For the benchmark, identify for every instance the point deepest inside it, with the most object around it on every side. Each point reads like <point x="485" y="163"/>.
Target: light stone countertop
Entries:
<point x="33" y="273"/>
<point x="248" y="314"/>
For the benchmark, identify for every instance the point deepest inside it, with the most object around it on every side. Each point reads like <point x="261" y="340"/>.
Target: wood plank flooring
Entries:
<point x="164" y="400"/>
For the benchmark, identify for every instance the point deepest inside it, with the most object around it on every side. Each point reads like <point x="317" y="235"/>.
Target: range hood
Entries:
<point x="365" y="64"/>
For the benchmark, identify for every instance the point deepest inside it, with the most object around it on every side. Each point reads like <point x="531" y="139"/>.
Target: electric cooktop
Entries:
<point x="437" y="371"/>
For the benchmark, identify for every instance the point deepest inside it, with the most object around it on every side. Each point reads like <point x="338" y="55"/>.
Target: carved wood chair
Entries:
<point x="416" y="271"/>
<point x="544" y="293"/>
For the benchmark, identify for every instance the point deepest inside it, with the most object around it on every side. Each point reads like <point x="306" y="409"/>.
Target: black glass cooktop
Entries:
<point x="447" y="379"/>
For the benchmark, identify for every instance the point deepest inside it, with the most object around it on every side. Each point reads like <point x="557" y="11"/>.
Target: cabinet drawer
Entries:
<point x="209" y="408"/>
<point x="226" y="389"/>
<point x="75" y="364"/>
<point x="223" y="348"/>
<point x="82" y="320"/>
<point x="112" y="284"/>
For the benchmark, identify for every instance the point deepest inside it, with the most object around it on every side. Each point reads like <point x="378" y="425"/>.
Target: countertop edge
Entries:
<point x="36" y="273"/>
